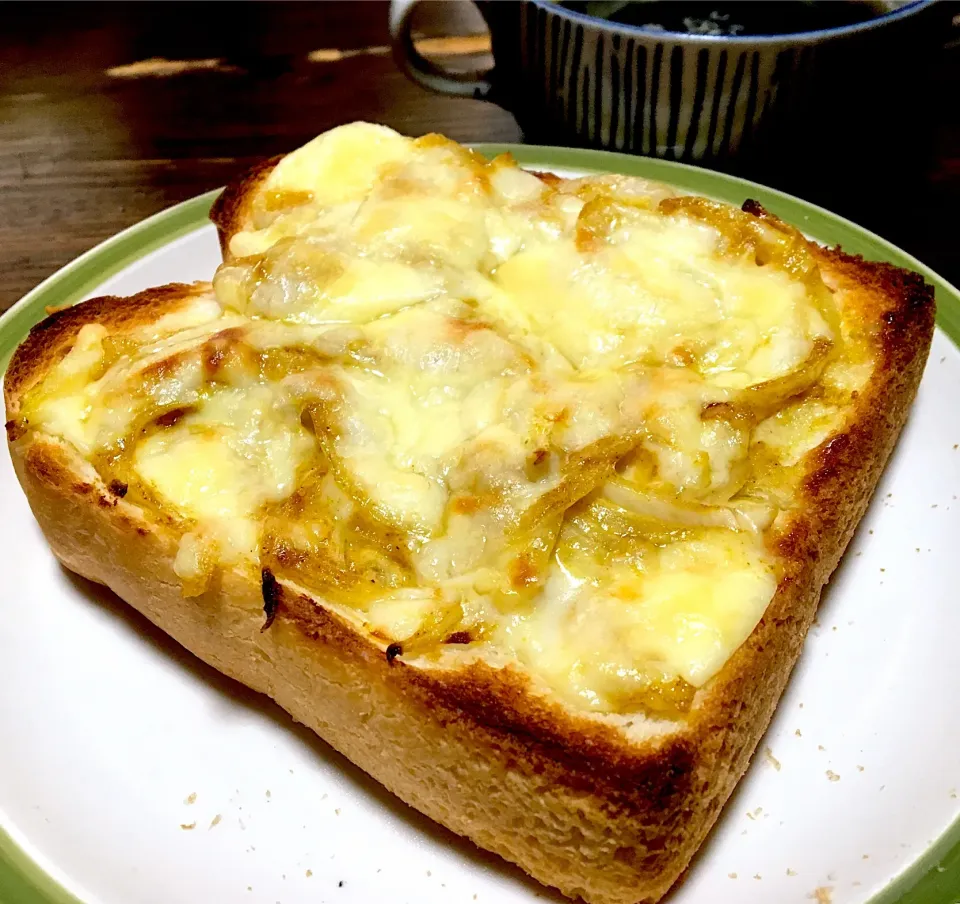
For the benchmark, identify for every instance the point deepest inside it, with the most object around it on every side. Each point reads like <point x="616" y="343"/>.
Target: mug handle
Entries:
<point x="461" y="84"/>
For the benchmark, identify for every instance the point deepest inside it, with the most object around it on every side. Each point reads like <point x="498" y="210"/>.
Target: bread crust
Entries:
<point x="233" y="206"/>
<point x="50" y="339"/>
<point x="472" y="746"/>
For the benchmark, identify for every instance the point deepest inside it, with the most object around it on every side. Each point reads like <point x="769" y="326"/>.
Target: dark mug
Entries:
<point x="572" y="78"/>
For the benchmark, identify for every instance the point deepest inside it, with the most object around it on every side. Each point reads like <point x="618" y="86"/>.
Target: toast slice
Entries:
<point x="606" y="797"/>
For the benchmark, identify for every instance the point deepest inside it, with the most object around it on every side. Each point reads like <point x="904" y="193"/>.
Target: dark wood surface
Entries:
<point x="95" y="134"/>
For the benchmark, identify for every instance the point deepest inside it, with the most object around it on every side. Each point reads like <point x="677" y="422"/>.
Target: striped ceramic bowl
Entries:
<point x="573" y="78"/>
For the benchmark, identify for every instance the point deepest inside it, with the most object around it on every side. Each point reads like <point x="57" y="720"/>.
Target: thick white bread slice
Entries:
<point x="601" y="807"/>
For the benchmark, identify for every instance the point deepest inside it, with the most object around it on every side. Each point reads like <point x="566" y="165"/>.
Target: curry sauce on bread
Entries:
<point x="533" y="482"/>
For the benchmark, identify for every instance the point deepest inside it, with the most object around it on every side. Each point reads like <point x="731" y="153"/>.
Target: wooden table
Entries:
<point x="109" y="113"/>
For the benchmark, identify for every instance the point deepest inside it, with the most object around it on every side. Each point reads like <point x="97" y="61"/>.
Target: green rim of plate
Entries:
<point x="81" y="276"/>
<point x="934" y="878"/>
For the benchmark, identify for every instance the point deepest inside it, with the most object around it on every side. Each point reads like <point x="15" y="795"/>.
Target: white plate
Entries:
<point x="130" y="773"/>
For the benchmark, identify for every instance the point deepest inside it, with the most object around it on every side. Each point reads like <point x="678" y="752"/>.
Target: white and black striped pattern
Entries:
<point x="649" y="94"/>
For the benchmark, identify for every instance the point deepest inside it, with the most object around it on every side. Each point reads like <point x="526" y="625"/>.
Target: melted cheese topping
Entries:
<point x="681" y="609"/>
<point x="65" y="408"/>
<point x="221" y="464"/>
<point x="474" y="405"/>
<point x="661" y="292"/>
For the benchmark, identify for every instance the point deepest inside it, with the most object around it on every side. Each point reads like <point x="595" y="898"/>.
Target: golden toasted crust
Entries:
<point x="575" y="800"/>
<point x="232" y="209"/>
<point x="50" y="339"/>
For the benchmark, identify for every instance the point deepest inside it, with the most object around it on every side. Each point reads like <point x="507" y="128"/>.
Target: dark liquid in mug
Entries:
<point x="733" y="19"/>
